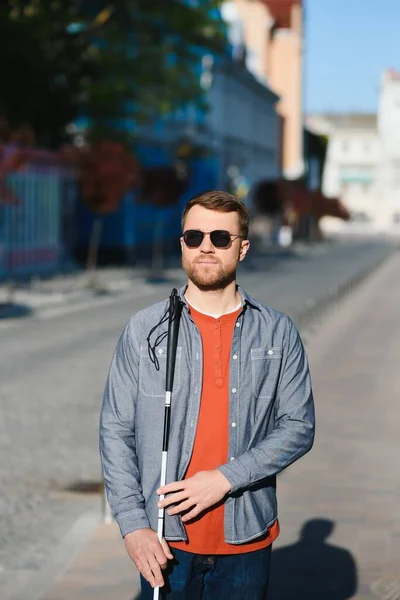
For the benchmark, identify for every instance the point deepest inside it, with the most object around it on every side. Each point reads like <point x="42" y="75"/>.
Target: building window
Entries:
<point x="357" y="173"/>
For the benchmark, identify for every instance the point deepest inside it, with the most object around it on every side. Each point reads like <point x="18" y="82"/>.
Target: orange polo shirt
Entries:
<point x="206" y="532"/>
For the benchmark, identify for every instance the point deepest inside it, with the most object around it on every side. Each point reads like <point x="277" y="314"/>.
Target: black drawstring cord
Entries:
<point x="159" y="339"/>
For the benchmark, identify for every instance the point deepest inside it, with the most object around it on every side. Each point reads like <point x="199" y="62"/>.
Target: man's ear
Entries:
<point x="244" y="247"/>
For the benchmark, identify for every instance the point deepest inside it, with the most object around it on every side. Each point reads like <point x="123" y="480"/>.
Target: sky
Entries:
<point x="347" y="45"/>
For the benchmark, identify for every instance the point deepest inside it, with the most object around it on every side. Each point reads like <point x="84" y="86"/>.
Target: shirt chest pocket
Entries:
<point x="265" y="370"/>
<point x="152" y="381"/>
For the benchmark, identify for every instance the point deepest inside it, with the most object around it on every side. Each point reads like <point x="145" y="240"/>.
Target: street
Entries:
<point x="53" y="370"/>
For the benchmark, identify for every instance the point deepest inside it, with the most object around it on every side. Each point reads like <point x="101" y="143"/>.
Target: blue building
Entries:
<point x="231" y="146"/>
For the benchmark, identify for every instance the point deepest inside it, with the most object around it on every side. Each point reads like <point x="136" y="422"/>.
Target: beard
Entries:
<point x="209" y="277"/>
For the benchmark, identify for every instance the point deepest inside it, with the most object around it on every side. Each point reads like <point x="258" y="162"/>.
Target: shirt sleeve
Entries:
<point x="293" y="434"/>
<point x="117" y="437"/>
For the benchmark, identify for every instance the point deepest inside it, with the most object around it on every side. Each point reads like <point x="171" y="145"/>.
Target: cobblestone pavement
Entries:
<point x="53" y="367"/>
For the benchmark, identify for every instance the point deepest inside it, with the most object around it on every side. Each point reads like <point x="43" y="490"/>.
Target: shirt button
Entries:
<point x="270" y="351"/>
<point x="235" y="357"/>
<point x="232" y="458"/>
<point x="237" y="324"/>
<point x="196" y="389"/>
<point x="234" y="424"/>
<point x="233" y="390"/>
<point x="160" y="351"/>
<point x="218" y="346"/>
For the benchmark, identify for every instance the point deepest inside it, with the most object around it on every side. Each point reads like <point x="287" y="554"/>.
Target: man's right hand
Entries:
<point x="148" y="554"/>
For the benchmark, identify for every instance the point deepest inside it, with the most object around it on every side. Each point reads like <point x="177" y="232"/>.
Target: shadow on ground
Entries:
<point x="13" y="310"/>
<point x="313" y="569"/>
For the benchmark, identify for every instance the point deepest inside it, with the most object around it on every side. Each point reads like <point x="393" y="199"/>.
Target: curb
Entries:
<point x="70" y="546"/>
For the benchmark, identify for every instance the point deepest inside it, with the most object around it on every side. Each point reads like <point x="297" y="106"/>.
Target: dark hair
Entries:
<point x="223" y="202"/>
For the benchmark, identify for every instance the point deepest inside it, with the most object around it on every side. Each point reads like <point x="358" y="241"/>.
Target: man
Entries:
<point x="242" y="410"/>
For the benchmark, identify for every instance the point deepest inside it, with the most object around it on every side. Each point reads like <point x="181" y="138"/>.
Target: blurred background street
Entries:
<point x="112" y="116"/>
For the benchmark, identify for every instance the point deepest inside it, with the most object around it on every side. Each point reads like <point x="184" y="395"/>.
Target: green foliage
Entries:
<point x="105" y="61"/>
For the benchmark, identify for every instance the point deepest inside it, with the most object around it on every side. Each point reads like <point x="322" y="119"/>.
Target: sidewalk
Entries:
<point x="343" y="496"/>
<point x="323" y="278"/>
<point x="339" y="507"/>
<point x="79" y="285"/>
<point x="101" y="571"/>
<point x="74" y="288"/>
<point x="25" y="298"/>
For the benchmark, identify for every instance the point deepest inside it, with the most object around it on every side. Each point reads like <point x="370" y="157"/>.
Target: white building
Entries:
<point x="352" y="163"/>
<point x="363" y="161"/>
<point x="389" y="133"/>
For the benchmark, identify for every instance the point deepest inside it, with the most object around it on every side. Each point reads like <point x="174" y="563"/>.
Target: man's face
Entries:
<point x="208" y="267"/>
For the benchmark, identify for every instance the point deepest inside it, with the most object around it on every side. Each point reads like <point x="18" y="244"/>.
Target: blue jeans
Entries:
<point x="216" y="577"/>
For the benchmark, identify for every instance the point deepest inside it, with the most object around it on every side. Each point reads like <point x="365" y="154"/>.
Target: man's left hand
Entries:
<point x="194" y="494"/>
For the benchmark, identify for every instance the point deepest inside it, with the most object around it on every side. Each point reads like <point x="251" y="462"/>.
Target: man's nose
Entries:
<point x="206" y="245"/>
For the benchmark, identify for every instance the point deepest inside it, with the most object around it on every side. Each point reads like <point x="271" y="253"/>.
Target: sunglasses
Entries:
<point x="219" y="238"/>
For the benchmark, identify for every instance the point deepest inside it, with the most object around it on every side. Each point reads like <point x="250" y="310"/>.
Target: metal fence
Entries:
<point x="30" y="229"/>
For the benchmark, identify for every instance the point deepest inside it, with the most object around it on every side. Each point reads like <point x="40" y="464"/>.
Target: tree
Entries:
<point x="111" y="63"/>
<point x="106" y="172"/>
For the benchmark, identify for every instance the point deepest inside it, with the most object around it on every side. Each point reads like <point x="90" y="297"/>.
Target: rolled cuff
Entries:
<point x="132" y="520"/>
<point x="235" y="475"/>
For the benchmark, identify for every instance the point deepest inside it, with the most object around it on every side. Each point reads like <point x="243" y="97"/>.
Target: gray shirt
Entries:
<point x="271" y="417"/>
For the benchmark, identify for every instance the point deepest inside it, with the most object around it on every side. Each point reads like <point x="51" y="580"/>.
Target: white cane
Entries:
<point x="175" y="308"/>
